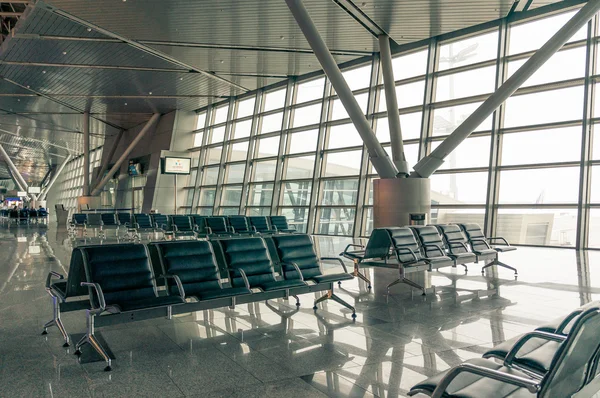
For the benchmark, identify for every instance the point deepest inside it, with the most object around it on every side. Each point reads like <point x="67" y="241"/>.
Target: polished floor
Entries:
<point x="270" y="349"/>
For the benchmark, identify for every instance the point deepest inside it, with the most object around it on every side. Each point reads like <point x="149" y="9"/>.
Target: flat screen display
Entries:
<point x="176" y="165"/>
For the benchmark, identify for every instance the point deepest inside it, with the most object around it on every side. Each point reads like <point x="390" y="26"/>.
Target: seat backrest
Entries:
<point x="183" y="223"/>
<point x="239" y="223"/>
<point x="193" y="262"/>
<point x="94" y="219"/>
<point x="200" y="223"/>
<point x="124" y="218"/>
<point x="76" y="274"/>
<point x="298" y="249"/>
<point x="79" y="218"/>
<point x="250" y="255"/>
<point x="123" y="272"/>
<point x="109" y="218"/>
<point x="279" y="222"/>
<point x="453" y="237"/>
<point x="218" y="225"/>
<point x="403" y="237"/>
<point x="431" y="242"/>
<point x="379" y="244"/>
<point x="161" y="220"/>
<point x="475" y="235"/>
<point x="261" y="223"/>
<point x="143" y="220"/>
<point x="573" y="364"/>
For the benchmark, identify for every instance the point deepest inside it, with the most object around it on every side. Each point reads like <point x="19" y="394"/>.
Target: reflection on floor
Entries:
<point x="270" y="349"/>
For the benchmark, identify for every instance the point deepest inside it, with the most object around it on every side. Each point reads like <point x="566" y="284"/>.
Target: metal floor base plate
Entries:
<point x="88" y="354"/>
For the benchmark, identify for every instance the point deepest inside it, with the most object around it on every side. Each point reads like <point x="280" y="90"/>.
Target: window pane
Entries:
<point x="554" y="227"/>
<point x="559" y="145"/>
<point x="210" y="176"/>
<point x="595" y="187"/>
<point x="336" y="221"/>
<point x="446" y="120"/>
<point x="544" y="107"/>
<point x="298" y="217"/>
<point x="339" y="112"/>
<point x="246" y="107"/>
<point x="459" y="188"/>
<point x="242" y="129"/>
<point x="465" y="84"/>
<point x="472" y="152"/>
<point x="303" y="141"/>
<point x="339" y="192"/>
<point x="198" y="138"/>
<point x="469" y="51"/>
<point x="218" y="134"/>
<point x="264" y="171"/>
<point x="343" y="136"/>
<point x="564" y="65"/>
<point x="342" y="163"/>
<point x="229" y="211"/>
<point x="201" y="120"/>
<point x="207" y="197"/>
<point x="407" y="95"/>
<point x="239" y="151"/>
<point x="235" y="173"/>
<point x="258" y="211"/>
<point x="260" y="195"/>
<point x="358" y="78"/>
<point x="367" y="221"/>
<point x="271" y="123"/>
<point x="410" y="124"/>
<point x="214" y="155"/>
<point x="268" y="147"/>
<point x="231" y="196"/>
<point x="274" y="99"/>
<point x="307" y="115"/>
<point x="410" y="65"/>
<point x="311" y="90"/>
<point x="195" y="158"/>
<point x="539" y="186"/>
<point x="533" y="35"/>
<point x="296" y="193"/>
<point x="594" y="239"/>
<point x="411" y="152"/>
<point x="205" y="211"/>
<point x="221" y="114"/>
<point x="191" y="178"/>
<point x="457" y="216"/>
<point x="299" y="167"/>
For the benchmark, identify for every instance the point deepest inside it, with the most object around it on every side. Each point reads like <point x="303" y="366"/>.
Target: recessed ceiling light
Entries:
<point x="28" y="86"/>
<point x="126" y="104"/>
<point x="281" y="37"/>
<point x="89" y="29"/>
<point x="150" y="92"/>
<point x="181" y="78"/>
<point x="64" y="53"/>
<point x="43" y="71"/>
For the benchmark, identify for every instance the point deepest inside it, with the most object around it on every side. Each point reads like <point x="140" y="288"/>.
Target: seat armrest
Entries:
<point x="338" y="260"/>
<point x="410" y="251"/>
<point x="136" y="225"/>
<point x="439" y="249"/>
<point x="175" y="229"/>
<point x="253" y="229"/>
<point x="560" y="329"/>
<point x="51" y="275"/>
<point x="352" y="245"/>
<point x="209" y="230"/>
<point x="230" y="228"/>
<point x="535" y="334"/>
<point x="301" y="277"/>
<point x="244" y="278"/>
<point x="99" y="294"/>
<point x="504" y="241"/>
<point x="177" y="282"/>
<point x="481" y="240"/>
<point x="531" y="385"/>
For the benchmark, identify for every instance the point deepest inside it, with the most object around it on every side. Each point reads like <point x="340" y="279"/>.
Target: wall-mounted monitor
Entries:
<point x="34" y="189"/>
<point x="173" y="165"/>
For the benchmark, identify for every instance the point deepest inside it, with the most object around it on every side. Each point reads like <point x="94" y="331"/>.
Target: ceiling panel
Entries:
<point x="138" y="105"/>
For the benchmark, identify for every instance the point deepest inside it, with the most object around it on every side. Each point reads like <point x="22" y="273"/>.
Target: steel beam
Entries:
<point x="428" y="165"/>
<point x="86" y="154"/>
<point x="126" y="153"/>
<point x="389" y="85"/>
<point x="379" y="158"/>
<point x="55" y="176"/>
<point x="109" y="157"/>
<point x="19" y="180"/>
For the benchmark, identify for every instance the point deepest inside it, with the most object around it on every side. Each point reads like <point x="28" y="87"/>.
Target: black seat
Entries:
<point x="297" y="254"/>
<point x="240" y="225"/>
<point x="195" y="264"/>
<point x="217" y="226"/>
<point x="572" y="366"/>
<point x="262" y="225"/>
<point x="120" y="280"/>
<point x="182" y="226"/>
<point x="432" y="246"/>
<point x="124" y="219"/>
<point x="457" y="244"/>
<point x="200" y="224"/>
<point x="281" y="224"/>
<point x="78" y="220"/>
<point x="252" y="256"/>
<point x="162" y="222"/>
<point x="143" y="222"/>
<point x="483" y="248"/>
<point x="109" y="221"/>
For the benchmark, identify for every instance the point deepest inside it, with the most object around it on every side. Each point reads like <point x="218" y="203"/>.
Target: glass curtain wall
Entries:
<point x="69" y="185"/>
<point x="527" y="172"/>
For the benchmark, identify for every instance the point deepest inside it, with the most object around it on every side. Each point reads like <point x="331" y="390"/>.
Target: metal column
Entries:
<point x="126" y="153"/>
<point x="389" y="84"/>
<point x="19" y="180"/>
<point x="379" y="158"/>
<point x="59" y="170"/>
<point x="109" y="157"/>
<point x="428" y="165"/>
<point x="86" y="154"/>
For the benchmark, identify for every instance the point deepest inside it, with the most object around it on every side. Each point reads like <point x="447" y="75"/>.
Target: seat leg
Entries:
<point x="56" y="321"/>
<point x="501" y="264"/>
<point x="466" y="268"/>
<point x="297" y="300"/>
<point x="409" y="283"/>
<point x="357" y="274"/>
<point x="338" y="300"/>
<point x="100" y="350"/>
<point x="321" y="299"/>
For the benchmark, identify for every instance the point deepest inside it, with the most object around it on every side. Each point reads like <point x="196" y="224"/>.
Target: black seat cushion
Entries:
<point x="284" y="284"/>
<point x="222" y="293"/>
<point x="327" y="278"/>
<point x="359" y="254"/>
<point x="60" y="289"/>
<point x="504" y="249"/>
<point x="536" y="354"/>
<point x="151" y="302"/>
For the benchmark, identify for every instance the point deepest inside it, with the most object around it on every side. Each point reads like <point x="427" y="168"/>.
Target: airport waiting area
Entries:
<point x="300" y="198"/>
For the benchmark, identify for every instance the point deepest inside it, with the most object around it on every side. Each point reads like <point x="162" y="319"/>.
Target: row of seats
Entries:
<point x="122" y="280"/>
<point x="182" y="225"/>
<point x="427" y="247"/>
<point x="24" y="216"/>
<point x="555" y="360"/>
